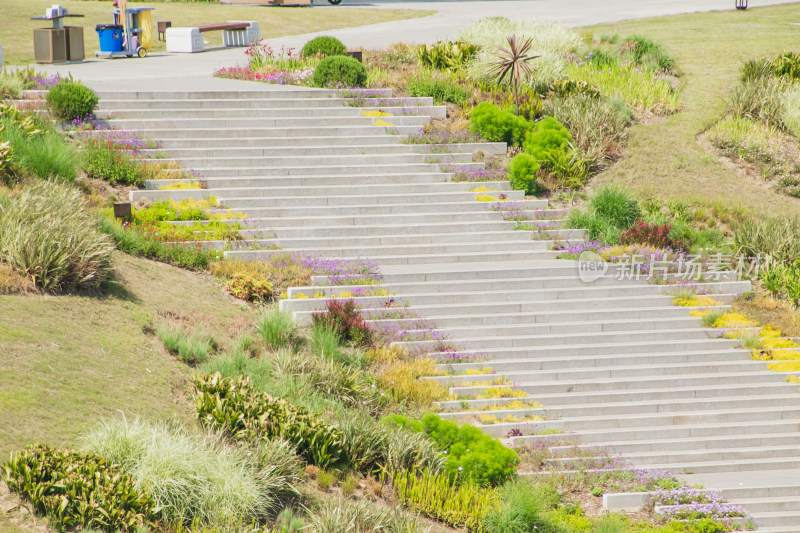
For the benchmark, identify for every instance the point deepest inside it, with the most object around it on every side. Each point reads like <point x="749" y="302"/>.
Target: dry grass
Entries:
<point x="768" y="311"/>
<point x="664" y="159"/>
<point x="16" y="31"/>
<point x="84" y="358"/>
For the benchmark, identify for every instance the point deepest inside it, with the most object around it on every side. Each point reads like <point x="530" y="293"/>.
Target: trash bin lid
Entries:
<point x="108" y="27"/>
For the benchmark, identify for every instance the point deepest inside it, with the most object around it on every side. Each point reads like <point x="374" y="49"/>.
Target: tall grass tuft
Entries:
<point x="638" y="88"/>
<point x="340" y="515"/>
<point x="47" y="235"/>
<point x="711" y="317"/>
<point x="191" y="477"/>
<point x="326" y="341"/>
<point x="790" y="111"/>
<point x="45" y="155"/>
<point x="276" y="327"/>
<point x="597" y="125"/>
<point x="758" y="99"/>
<point x="773" y="236"/>
<point x="191" y="349"/>
<point x="523" y="509"/>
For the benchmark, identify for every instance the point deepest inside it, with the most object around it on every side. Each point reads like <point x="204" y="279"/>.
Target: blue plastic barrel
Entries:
<point x="110" y="37"/>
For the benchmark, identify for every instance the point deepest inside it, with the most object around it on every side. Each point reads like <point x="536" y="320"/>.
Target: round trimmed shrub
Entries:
<point x="522" y="172"/>
<point x="324" y="46"/>
<point x="70" y="101"/>
<point x="340" y="70"/>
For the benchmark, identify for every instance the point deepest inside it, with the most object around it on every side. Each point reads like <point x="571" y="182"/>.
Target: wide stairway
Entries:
<point x="605" y="365"/>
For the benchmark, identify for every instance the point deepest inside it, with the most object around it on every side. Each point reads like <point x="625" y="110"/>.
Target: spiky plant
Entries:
<point x="512" y="62"/>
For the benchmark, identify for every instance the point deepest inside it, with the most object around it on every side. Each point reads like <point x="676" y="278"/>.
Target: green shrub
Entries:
<point x="340" y="515"/>
<point x="340" y="70"/>
<point x="647" y="53"/>
<point x="232" y="406"/>
<point x="47" y="235"/>
<point x="190" y="477"/>
<point x="140" y="244"/>
<point x="70" y="101"/>
<point x="44" y="154"/>
<point x="546" y="135"/>
<point x="597" y="125"/>
<point x="472" y="455"/>
<point x="276" y="327"/>
<point x="106" y="161"/>
<point x="445" y="55"/>
<point x="523" y="509"/>
<point x="435" y="496"/>
<point x="77" y="489"/>
<point x="324" y="46"/>
<point x="522" y="173"/>
<point x="441" y="90"/>
<point x="496" y="125"/>
<point x="191" y="349"/>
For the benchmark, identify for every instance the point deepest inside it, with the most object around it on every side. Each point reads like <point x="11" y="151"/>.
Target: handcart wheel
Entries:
<point x="141" y="52"/>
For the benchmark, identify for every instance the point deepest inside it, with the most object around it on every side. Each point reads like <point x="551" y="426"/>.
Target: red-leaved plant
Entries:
<point x="345" y="318"/>
<point x="653" y="235"/>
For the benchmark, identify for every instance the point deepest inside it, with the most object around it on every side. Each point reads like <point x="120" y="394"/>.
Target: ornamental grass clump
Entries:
<point x="34" y="147"/>
<point x="189" y="476"/>
<point x="47" y="235"/>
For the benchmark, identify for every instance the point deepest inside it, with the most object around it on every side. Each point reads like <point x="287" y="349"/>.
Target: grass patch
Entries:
<point x="664" y="158"/>
<point x="15" y="33"/>
<point x="70" y="348"/>
<point x="276" y="327"/>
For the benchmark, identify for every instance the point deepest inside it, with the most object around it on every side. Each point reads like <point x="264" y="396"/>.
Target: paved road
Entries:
<point x="189" y="70"/>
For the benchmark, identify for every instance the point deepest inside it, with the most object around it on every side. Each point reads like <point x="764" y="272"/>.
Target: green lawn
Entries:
<point x="16" y="31"/>
<point x="665" y="159"/>
<point x="68" y="361"/>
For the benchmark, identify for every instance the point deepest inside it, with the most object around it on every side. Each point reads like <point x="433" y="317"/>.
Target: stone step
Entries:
<point x="743" y="465"/>
<point x="692" y="457"/>
<point x="696" y="443"/>
<point x="245" y="93"/>
<point x="463" y="229"/>
<point x="389" y="189"/>
<point x="762" y="491"/>
<point x="433" y="310"/>
<point x="516" y="330"/>
<point x="163" y="134"/>
<point x="506" y="366"/>
<point x="262" y="124"/>
<point x="420" y="210"/>
<point x="627" y="383"/>
<point x="322" y="181"/>
<point x="778" y="522"/>
<point x="278" y="109"/>
<point x="595" y="348"/>
<point x="410" y="220"/>
<point x="266" y="148"/>
<point x="308" y="142"/>
<point x="310" y="160"/>
<point x="683" y="431"/>
<point x="648" y="315"/>
<point x="311" y="170"/>
<point x="602" y="372"/>
<point x="675" y="407"/>
<point x="495" y="237"/>
<point x="656" y="420"/>
<point x="605" y="400"/>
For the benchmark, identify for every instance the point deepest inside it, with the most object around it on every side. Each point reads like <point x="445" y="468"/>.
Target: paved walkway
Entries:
<point x="191" y="71"/>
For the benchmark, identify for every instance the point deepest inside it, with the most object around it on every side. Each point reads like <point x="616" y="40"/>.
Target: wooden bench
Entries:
<point x="234" y="33"/>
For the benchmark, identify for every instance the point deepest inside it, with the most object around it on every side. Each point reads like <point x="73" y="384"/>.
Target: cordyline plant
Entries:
<point x="513" y="62"/>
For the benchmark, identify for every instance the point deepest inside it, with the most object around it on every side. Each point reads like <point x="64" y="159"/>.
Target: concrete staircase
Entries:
<point x="613" y="362"/>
